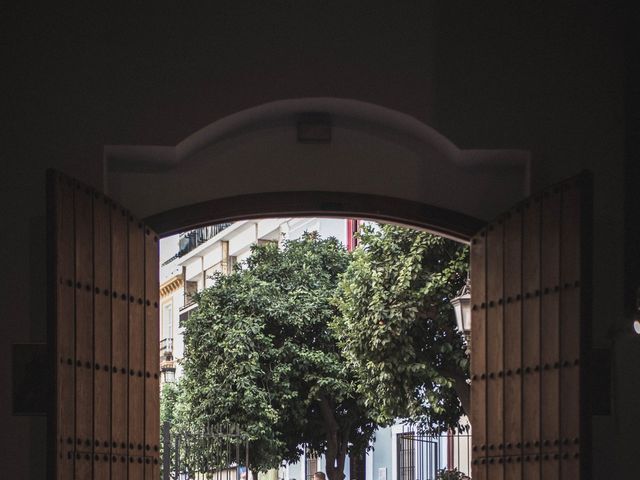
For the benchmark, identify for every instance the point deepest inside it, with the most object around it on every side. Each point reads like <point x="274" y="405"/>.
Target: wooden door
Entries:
<point x="104" y="335"/>
<point x="530" y="334"/>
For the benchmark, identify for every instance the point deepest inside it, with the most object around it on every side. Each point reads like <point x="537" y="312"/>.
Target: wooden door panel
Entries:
<point x="495" y="352"/>
<point x="83" y="210"/>
<point x="512" y="301"/>
<point x="152" y="359"/>
<point x="151" y="471"/>
<point x="101" y="466"/>
<point x="136" y="339"/>
<point x="136" y="467"/>
<point x="119" y="330"/>
<point x="104" y="283"/>
<point x="479" y="359"/>
<point x="530" y="321"/>
<point x="65" y="331"/>
<point x="570" y="301"/>
<point x="530" y="339"/>
<point x="513" y="468"/>
<point x="119" y="467"/>
<point x="549" y="323"/>
<point x="84" y="463"/>
<point x="102" y="330"/>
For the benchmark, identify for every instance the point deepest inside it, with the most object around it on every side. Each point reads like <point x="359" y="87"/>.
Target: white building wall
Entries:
<point x="243" y="238"/>
<point x="269" y="229"/>
<point x="212" y="256"/>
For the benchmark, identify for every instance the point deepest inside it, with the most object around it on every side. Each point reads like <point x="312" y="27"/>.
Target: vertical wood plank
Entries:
<point x="136" y="468"/>
<point x="531" y="339"/>
<point x="102" y="325"/>
<point x="513" y="343"/>
<point x="136" y="349"/>
<point x="152" y="341"/>
<point x="550" y="325"/>
<point x="65" y="325"/>
<point x="151" y="471"/>
<point x="83" y="203"/>
<point x="513" y="467"/>
<point x="119" y="467"/>
<point x="119" y="337"/>
<point x="102" y="337"/>
<point x="101" y="466"/>
<point x="478" y="358"/>
<point x="570" y="334"/>
<point x="495" y="349"/>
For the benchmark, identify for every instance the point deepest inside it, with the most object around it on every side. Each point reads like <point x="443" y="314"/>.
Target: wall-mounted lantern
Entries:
<point x="462" y="308"/>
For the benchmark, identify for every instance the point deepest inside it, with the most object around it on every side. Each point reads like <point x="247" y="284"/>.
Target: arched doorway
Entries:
<point x="318" y="145"/>
<point x="328" y="157"/>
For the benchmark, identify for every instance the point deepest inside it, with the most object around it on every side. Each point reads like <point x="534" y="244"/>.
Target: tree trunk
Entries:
<point x="336" y="447"/>
<point x="335" y="464"/>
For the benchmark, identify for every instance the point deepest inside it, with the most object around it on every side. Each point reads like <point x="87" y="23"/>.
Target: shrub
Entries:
<point x="454" y="474"/>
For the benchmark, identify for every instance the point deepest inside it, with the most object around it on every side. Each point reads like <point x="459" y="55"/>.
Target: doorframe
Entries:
<point x="444" y="222"/>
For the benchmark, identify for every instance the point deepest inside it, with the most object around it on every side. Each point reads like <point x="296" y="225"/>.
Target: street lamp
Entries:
<point x="462" y="308"/>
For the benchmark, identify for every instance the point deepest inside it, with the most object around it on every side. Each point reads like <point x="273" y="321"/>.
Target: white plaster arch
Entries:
<point x="373" y="150"/>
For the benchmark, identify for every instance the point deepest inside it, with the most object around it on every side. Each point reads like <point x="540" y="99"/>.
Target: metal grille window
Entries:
<point x="421" y="457"/>
<point x="406" y="456"/>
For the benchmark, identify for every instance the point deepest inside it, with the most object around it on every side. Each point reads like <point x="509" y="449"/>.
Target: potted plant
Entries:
<point x="451" y="474"/>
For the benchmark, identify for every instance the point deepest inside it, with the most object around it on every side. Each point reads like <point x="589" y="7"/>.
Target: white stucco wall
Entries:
<point x="373" y="150"/>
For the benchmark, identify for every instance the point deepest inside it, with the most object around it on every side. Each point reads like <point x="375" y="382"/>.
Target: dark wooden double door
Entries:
<point x="529" y="338"/>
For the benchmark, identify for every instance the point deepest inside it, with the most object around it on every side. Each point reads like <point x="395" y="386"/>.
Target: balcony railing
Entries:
<point x="166" y="346"/>
<point x="167" y="363"/>
<point x="192" y="239"/>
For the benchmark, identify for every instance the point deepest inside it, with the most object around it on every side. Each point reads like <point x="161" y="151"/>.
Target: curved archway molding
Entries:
<point x="373" y="151"/>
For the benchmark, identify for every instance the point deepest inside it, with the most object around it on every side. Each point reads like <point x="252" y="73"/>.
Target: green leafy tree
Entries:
<point x="168" y="402"/>
<point x="260" y="353"/>
<point x="310" y="345"/>
<point x="397" y="329"/>
<point x="169" y="396"/>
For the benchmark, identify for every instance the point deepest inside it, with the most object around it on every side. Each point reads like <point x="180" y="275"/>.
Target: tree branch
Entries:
<point x="463" y="389"/>
<point x="328" y="414"/>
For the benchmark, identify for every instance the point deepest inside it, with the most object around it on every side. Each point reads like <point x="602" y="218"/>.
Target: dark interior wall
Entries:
<point x="548" y="78"/>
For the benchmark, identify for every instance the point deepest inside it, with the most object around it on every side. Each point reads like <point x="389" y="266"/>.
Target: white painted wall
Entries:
<point x="426" y="166"/>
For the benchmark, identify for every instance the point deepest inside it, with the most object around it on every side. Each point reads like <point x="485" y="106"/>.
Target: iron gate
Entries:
<point x="215" y="453"/>
<point x="421" y="457"/>
<point x="418" y="457"/>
